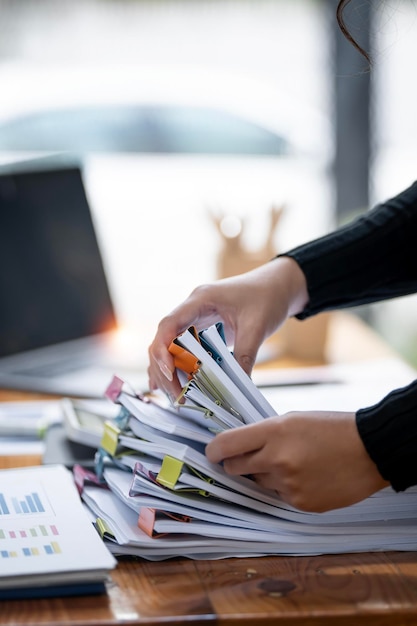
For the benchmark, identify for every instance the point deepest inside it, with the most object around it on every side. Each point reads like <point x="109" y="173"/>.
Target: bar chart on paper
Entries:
<point x="26" y="537"/>
<point x="34" y="540"/>
<point x="23" y="501"/>
<point x="29" y="503"/>
<point x="48" y="543"/>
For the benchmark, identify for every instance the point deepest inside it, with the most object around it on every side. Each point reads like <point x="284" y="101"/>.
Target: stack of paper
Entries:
<point x="165" y="499"/>
<point x="48" y="544"/>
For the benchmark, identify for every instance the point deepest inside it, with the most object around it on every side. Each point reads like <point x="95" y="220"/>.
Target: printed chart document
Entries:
<point x="48" y="545"/>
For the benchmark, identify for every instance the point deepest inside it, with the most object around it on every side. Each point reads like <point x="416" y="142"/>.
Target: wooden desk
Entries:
<point x="372" y="589"/>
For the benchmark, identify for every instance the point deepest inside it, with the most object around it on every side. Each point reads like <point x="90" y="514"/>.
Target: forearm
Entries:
<point x="371" y="259"/>
<point x="283" y="276"/>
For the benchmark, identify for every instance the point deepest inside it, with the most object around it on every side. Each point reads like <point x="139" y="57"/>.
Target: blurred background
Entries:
<point x="213" y="129"/>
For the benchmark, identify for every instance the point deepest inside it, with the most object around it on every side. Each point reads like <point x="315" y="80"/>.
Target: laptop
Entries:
<point x="57" y="319"/>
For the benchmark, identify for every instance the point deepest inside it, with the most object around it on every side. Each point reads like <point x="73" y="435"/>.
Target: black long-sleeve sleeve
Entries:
<point x="374" y="258"/>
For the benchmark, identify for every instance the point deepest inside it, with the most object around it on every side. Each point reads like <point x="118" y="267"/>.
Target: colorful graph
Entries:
<point x="26" y="504"/>
<point x="48" y="548"/>
<point x="35" y="540"/>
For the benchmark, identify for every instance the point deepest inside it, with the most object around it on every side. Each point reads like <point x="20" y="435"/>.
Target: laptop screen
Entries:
<point x="53" y="286"/>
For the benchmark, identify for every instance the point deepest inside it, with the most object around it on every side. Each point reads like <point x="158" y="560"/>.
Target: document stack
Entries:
<point x="48" y="545"/>
<point x="155" y="495"/>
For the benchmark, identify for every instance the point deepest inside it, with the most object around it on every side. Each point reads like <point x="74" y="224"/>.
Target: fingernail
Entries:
<point x="165" y="371"/>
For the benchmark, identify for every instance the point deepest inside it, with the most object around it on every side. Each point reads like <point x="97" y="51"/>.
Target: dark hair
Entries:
<point x="342" y="25"/>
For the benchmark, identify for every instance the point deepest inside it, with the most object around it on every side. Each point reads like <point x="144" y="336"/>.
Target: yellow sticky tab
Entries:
<point x="170" y="472"/>
<point x="110" y="438"/>
<point x="103" y="529"/>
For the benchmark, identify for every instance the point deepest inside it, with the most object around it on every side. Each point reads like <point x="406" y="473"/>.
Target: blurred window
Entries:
<point x="147" y="129"/>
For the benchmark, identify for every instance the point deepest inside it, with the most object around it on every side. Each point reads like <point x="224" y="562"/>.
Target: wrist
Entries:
<point x="293" y="283"/>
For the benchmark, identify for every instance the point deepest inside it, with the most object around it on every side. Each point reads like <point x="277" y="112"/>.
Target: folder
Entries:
<point x="211" y="379"/>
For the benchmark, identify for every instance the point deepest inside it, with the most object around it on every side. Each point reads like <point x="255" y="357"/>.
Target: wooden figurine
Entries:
<point x="304" y="340"/>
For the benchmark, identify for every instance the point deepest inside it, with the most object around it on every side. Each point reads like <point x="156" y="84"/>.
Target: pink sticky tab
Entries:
<point x="83" y="476"/>
<point x="114" y="390"/>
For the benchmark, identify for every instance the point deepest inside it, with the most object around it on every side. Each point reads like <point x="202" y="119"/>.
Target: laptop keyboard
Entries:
<point x="58" y="363"/>
<point x="52" y="369"/>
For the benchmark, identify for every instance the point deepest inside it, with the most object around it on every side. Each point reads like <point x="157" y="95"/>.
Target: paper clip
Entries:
<point x="110" y="439"/>
<point x="104" y="530"/>
<point x="170" y="471"/>
<point x="183" y="359"/>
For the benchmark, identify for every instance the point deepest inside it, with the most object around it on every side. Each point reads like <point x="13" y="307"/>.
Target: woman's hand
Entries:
<point x="315" y="461"/>
<point x="251" y="306"/>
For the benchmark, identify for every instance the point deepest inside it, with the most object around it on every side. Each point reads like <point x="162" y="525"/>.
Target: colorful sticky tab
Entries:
<point x="208" y="347"/>
<point x="114" y="390"/>
<point x="220" y="330"/>
<point x="146" y="520"/>
<point x="110" y="438"/>
<point x="183" y="359"/>
<point x="103" y="529"/>
<point x="148" y="516"/>
<point x="100" y="458"/>
<point x="170" y="472"/>
<point x="83" y="476"/>
<point x="123" y="418"/>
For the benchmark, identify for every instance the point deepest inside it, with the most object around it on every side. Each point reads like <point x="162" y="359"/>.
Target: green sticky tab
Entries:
<point x="170" y="472"/>
<point x="103" y="529"/>
<point x="110" y="438"/>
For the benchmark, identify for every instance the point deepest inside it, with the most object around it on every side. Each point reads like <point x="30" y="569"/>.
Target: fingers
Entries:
<point x="269" y="481"/>
<point x="247" y="341"/>
<point x="195" y="310"/>
<point x="235" y="443"/>
<point x="316" y="461"/>
<point x="161" y="369"/>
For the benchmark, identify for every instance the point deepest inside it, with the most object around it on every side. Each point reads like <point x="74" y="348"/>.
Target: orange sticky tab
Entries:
<point x="183" y="359"/>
